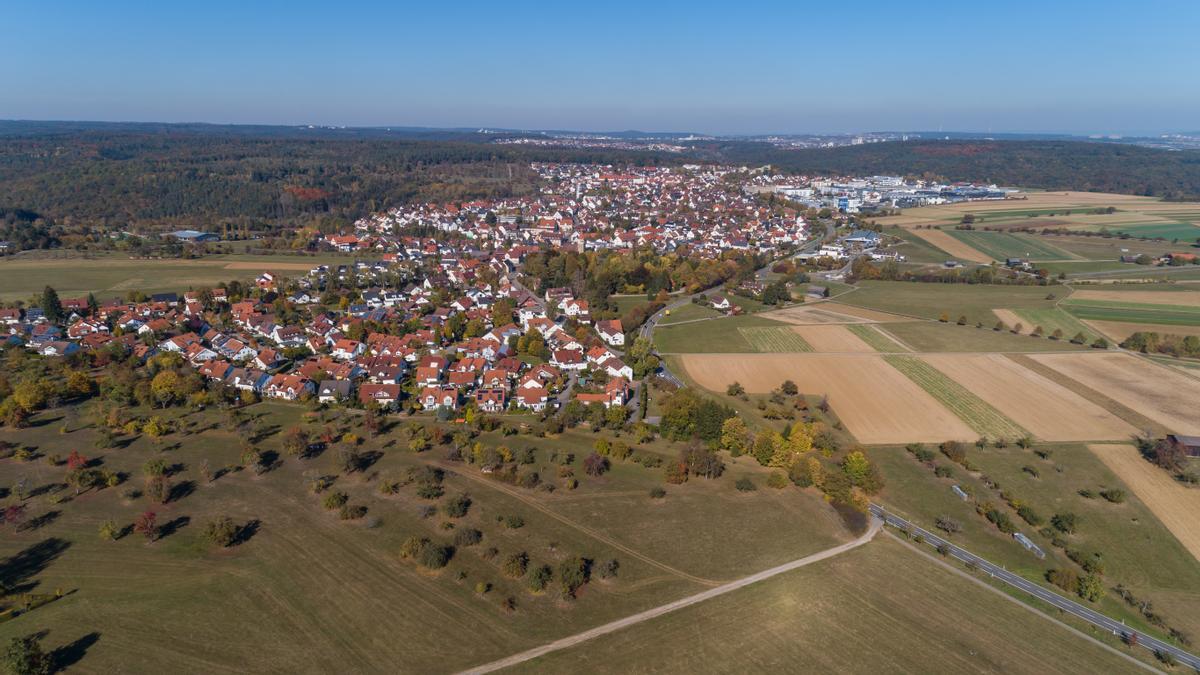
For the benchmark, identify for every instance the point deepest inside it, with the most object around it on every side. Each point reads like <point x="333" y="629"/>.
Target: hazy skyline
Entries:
<point x="754" y="67"/>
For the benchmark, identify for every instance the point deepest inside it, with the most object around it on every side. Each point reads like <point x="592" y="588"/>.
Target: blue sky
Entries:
<point x="744" y="67"/>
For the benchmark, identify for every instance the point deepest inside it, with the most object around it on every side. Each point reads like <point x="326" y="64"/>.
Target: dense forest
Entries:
<point x="159" y="177"/>
<point x="1051" y="165"/>
<point x="59" y="178"/>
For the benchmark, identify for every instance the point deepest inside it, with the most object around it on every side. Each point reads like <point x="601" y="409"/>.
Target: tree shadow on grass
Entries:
<point x="171" y="527"/>
<point x="247" y="532"/>
<point x="72" y="653"/>
<point x="41" y="521"/>
<point x="17" y="571"/>
<point x="180" y="490"/>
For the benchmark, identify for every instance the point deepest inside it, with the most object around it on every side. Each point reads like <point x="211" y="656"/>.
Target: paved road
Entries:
<point x="672" y="606"/>
<point x="1069" y="606"/>
<point x="647" y="329"/>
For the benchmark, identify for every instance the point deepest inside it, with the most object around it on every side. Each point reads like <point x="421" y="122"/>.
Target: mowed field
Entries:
<point x="1162" y="394"/>
<point x="1175" y="297"/>
<point x="1002" y="245"/>
<point x="954" y="246"/>
<point x="1049" y="319"/>
<point x="852" y="613"/>
<point x="1046" y="409"/>
<point x="875" y="401"/>
<point x="21" y="278"/>
<point x="1175" y="504"/>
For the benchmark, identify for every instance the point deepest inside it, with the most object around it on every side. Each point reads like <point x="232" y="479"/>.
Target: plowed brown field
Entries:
<point x="832" y="338"/>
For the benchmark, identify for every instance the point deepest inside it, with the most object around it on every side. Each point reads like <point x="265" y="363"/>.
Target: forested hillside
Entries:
<point x="1051" y="165"/>
<point x="145" y="179"/>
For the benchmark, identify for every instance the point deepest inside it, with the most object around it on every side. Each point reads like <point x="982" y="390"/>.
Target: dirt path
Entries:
<point x="614" y="626"/>
<point x="533" y="503"/>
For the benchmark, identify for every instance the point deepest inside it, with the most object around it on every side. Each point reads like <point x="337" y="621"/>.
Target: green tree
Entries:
<point x="24" y="656"/>
<point x="51" y="305"/>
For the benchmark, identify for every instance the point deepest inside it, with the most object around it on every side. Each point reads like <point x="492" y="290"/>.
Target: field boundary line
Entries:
<point x="1018" y="601"/>
<point x="655" y="612"/>
<point x="584" y="529"/>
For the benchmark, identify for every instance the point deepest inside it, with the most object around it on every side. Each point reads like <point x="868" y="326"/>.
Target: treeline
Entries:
<point x="1149" y="342"/>
<point x="1052" y="165"/>
<point x="25" y="230"/>
<point x="161" y="177"/>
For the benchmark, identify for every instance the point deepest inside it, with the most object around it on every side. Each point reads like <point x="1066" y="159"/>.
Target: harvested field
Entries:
<point x="1175" y="504"/>
<point x="804" y="316"/>
<point x="1011" y="319"/>
<point x="977" y="413"/>
<point x="864" y="313"/>
<point x="833" y="338"/>
<point x="1119" y="330"/>
<point x="876" y="402"/>
<point x="1162" y="394"/>
<point x="1049" y="319"/>
<point x="1149" y="297"/>
<point x="1048" y="410"/>
<point x="270" y="266"/>
<point x="953" y="246"/>
<point x="879" y="339"/>
<point x="1001" y="245"/>
<point x="774" y="339"/>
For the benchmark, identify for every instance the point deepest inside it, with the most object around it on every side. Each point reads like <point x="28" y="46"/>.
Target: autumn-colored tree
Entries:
<point x="147" y="525"/>
<point x="76" y="461"/>
<point x="734" y="436"/>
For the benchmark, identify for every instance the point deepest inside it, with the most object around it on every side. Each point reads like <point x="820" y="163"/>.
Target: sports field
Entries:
<point x="875" y="401"/>
<point x="1162" y="394"/>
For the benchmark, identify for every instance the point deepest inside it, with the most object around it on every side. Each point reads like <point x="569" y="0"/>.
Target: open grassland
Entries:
<point x="928" y="336"/>
<point x="874" y="337"/>
<point x="1138" y="551"/>
<point x="689" y="312"/>
<point x="875" y="401"/>
<point x="1105" y="248"/>
<point x="1002" y="245"/>
<point x="1168" y="231"/>
<point x="715" y="336"/>
<point x="774" y="339"/>
<point x="957" y="248"/>
<point x="320" y="594"/>
<point x="977" y="413"/>
<point x="834" y="338"/>
<point x="1162" y="394"/>
<point x="1049" y="319"/>
<point x="1043" y="407"/>
<point x="930" y="301"/>
<point x="1172" y="502"/>
<point x="1134" y="312"/>
<point x="924" y="620"/>
<point x="21" y="277"/>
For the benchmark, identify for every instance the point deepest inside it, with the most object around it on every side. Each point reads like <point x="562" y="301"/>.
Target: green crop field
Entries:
<point x="1055" y="319"/>
<point x="915" y="249"/>
<point x="775" y="339"/>
<point x="716" y="336"/>
<point x="1002" y="245"/>
<point x="1138" y="551"/>
<point x="1184" y="232"/>
<point x="689" y="312"/>
<point x="110" y="276"/>
<point x="929" y="336"/>
<point x="1102" y="310"/>
<point x="1106" y="248"/>
<point x="926" y="620"/>
<point x="930" y="301"/>
<point x="977" y="413"/>
<point x="870" y="334"/>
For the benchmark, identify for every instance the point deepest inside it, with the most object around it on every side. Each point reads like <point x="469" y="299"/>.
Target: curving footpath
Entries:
<point x="1054" y="599"/>
<point x="607" y="628"/>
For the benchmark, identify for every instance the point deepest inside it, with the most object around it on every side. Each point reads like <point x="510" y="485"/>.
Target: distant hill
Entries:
<point x="1051" y="165"/>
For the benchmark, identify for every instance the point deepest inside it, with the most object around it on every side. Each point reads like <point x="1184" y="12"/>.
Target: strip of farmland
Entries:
<point x="976" y="412"/>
